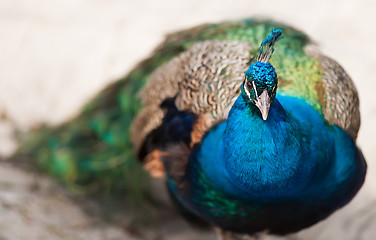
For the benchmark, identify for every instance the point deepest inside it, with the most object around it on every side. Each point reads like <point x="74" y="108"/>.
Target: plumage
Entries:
<point x="271" y="148"/>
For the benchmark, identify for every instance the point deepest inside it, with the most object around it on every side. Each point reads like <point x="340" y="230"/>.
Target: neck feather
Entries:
<point x="264" y="157"/>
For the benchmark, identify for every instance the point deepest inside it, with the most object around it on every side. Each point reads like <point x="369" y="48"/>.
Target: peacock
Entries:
<point x="252" y="127"/>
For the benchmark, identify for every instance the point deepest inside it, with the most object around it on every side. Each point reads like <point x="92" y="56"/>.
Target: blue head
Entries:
<point x="260" y="83"/>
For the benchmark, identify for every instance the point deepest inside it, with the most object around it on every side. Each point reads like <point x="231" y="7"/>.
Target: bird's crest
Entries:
<point x="267" y="46"/>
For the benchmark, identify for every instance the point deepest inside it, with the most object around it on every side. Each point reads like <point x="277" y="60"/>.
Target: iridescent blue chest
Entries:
<point x="253" y="169"/>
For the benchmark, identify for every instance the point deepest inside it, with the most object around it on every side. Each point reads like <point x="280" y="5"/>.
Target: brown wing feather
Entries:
<point x="340" y="100"/>
<point x="205" y="80"/>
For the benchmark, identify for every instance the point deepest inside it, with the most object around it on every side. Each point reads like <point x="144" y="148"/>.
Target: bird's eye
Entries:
<point x="249" y="85"/>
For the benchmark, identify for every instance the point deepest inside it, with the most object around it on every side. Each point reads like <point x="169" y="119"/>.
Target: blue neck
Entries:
<point x="272" y="158"/>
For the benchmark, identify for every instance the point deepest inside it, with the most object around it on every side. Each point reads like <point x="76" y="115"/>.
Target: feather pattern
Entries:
<point x="221" y="64"/>
<point x="338" y="96"/>
<point x="268" y="44"/>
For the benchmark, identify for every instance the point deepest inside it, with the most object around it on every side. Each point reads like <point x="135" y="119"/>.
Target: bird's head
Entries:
<point x="260" y="83"/>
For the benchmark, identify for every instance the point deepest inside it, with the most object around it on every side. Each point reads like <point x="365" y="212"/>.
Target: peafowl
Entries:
<point x="250" y="138"/>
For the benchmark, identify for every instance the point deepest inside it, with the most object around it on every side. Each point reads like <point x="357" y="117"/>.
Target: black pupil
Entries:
<point x="249" y="85"/>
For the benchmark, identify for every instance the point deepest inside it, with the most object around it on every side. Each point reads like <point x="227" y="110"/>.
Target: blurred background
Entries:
<point x="57" y="54"/>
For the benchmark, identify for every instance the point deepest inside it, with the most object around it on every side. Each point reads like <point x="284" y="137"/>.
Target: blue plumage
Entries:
<point x="295" y="164"/>
<point x="283" y="159"/>
<point x="270" y="40"/>
<point x="263" y="75"/>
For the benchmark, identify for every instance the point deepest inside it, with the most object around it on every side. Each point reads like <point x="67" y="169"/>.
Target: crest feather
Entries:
<point x="267" y="46"/>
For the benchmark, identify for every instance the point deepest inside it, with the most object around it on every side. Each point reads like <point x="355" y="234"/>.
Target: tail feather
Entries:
<point x="92" y="152"/>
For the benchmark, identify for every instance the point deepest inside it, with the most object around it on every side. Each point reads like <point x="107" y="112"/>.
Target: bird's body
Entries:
<point x="227" y="158"/>
<point x="294" y="174"/>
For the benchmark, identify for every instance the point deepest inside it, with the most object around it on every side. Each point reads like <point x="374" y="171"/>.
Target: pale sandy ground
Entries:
<point x="56" y="54"/>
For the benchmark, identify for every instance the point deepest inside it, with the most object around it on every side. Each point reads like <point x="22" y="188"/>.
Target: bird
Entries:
<point x="251" y="126"/>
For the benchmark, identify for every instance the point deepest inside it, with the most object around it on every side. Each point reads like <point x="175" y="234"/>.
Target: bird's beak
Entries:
<point x="263" y="103"/>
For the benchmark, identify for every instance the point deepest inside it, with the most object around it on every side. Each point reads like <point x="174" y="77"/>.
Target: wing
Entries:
<point x="337" y="95"/>
<point x="203" y="80"/>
